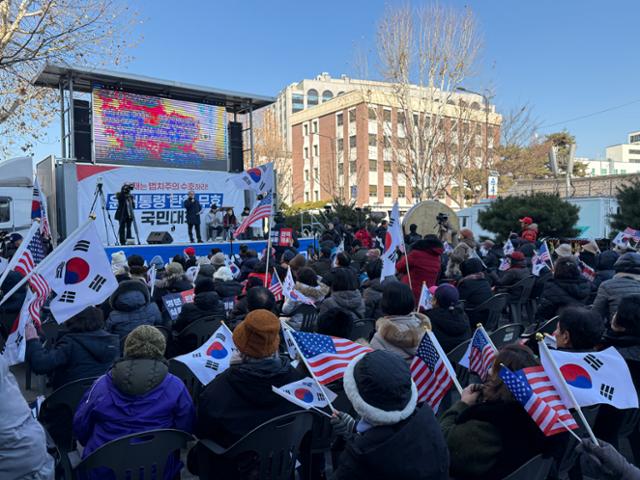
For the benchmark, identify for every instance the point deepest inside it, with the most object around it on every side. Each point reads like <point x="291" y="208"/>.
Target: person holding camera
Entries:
<point x="124" y="212"/>
<point x="193" y="208"/>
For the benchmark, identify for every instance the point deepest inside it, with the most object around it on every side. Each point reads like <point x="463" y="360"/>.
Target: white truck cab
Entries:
<point x="16" y="194"/>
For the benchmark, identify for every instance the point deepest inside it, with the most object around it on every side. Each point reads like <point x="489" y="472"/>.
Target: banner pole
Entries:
<point x="268" y="252"/>
<point x="542" y="345"/>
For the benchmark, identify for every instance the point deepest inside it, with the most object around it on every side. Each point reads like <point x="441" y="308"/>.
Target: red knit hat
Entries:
<point x="526" y="220"/>
<point x="190" y="251"/>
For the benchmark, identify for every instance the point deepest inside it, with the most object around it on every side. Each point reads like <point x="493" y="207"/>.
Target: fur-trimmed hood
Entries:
<point x="317" y="293"/>
<point x="400" y="334"/>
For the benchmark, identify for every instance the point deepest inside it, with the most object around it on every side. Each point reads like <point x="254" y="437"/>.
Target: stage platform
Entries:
<point x="202" y="249"/>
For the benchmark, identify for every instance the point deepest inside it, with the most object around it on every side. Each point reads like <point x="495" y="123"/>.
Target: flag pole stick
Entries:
<point x="45" y="261"/>
<point x="566" y="427"/>
<point x="445" y="361"/>
<point x="558" y="373"/>
<point x="315" y="379"/>
<point x="406" y="256"/>
<point x="550" y="260"/>
<point x="268" y="252"/>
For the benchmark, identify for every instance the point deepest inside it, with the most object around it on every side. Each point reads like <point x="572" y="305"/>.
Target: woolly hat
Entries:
<point x="489" y="244"/>
<point x="466" y="233"/>
<point x="471" y="266"/>
<point x="380" y="387"/>
<point x="288" y="255"/>
<point x="224" y="274"/>
<point x="564" y="250"/>
<point x="190" y="252"/>
<point x="447" y="295"/>
<point x="628" y="263"/>
<point x="174" y="268"/>
<point x="526" y="220"/>
<point x="591" y="247"/>
<point x="218" y="259"/>
<point x="204" y="285"/>
<point x="145" y="341"/>
<point x="157" y="262"/>
<point x="517" y="256"/>
<point x="258" y="335"/>
<point x="118" y="258"/>
<point x="297" y="262"/>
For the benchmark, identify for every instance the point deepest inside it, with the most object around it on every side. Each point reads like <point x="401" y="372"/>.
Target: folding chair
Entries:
<point x="491" y="310"/>
<point x="519" y="294"/>
<point x="507" y="334"/>
<point x="535" y="469"/>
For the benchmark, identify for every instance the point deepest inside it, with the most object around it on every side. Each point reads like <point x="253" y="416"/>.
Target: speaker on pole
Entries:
<point x="82" y="130"/>
<point x="236" y="161"/>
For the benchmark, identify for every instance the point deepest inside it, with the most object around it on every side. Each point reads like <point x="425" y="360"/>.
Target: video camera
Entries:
<point x="442" y="218"/>
<point x="127" y="188"/>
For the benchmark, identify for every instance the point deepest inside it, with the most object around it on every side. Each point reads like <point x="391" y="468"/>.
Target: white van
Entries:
<point x="16" y="195"/>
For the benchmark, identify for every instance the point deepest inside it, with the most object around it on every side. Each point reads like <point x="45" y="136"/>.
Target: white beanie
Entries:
<point x="224" y="274"/>
<point x="118" y="258"/>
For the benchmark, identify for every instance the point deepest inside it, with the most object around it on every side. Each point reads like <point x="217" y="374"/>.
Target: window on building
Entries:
<point x="373" y="140"/>
<point x="634" y="138"/>
<point x="387" y="191"/>
<point x="373" y="165"/>
<point x="306" y="152"/>
<point x="386" y="115"/>
<point x="623" y="171"/>
<point x="634" y="151"/>
<point x="340" y="142"/>
<point x="314" y="126"/>
<point x="306" y="174"/>
<point x="373" y="190"/>
<point x="316" y="194"/>
<point x="315" y="150"/>
<point x="339" y="119"/>
<point x="401" y="191"/>
<point x="352" y="141"/>
<point x="5" y="209"/>
<point x="306" y="196"/>
<point x="305" y="129"/>
<point x="372" y="113"/>
<point x="387" y="167"/>
<point x="312" y="97"/>
<point x="603" y="171"/>
<point x="341" y="192"/>
<point x="316" y="176"/>
<point x="352" y="115"/>
<point x="401" y="118"/>
<point x="327" y="95"/>
<point x="387" y="141"/>
<point x="416" y="119"/>
<point x="353" y="167"/>
<point x="593" y="171"/>
<point x="297" y="102"/>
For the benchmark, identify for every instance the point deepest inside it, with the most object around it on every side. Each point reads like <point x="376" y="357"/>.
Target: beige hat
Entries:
<point x="591" y="247"/>
<point x="564" y="250"/>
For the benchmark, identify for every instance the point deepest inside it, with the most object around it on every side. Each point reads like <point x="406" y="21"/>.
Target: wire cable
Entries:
<point x="590" y="114"/>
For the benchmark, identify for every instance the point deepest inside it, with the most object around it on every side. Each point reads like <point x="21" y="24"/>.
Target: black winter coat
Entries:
<point x="237" y="401"/>
<point x="74" y="355"/>
<point x="131" y="307"/>
<point x="450" y="326"/>
<point x="413" y="449"/>
<point x="560" y="293"/>
<point x="493" y="257"/>
<point x="229" y="289"/>
<point x="474" y="290"/>
<point x="205" y="305"/>
<point x="322" y="266"/>
<point x="372" y="295"/>
<point x="247" y="267"/>
<point x="193" y="208"/>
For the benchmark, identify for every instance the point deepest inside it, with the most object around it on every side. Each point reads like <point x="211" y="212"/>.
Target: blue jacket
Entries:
<point x="135" y="396"/>
<point x="131" y="307"/>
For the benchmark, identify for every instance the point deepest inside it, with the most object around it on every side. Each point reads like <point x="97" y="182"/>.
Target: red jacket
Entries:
<point x="424" y="266"/>
<point x="365" y="238"/>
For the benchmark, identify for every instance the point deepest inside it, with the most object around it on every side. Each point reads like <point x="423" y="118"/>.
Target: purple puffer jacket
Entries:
<point x="134" y="396"/>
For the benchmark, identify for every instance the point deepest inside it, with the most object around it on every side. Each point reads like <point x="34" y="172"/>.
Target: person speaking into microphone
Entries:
<point x="193" y="208"/>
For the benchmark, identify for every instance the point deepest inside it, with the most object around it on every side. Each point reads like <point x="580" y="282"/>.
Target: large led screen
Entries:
<point x="132" y="129"/>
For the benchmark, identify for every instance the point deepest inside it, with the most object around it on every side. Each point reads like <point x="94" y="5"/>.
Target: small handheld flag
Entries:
<point x="480" y="355"/>
<point x="290" y="292"/>
<point x="263" y="209"/>
<point x="276" y="286"/>
<point x="212" y="358"/>
<point x="425" y="298"/>
<point x="504" y="265"/>
<point x="326" y="357"/>
<point x="531" y="387"/>
<point x="587" y="272"/>
<point x="306" y="394"/>
<point x="508" y="248"/>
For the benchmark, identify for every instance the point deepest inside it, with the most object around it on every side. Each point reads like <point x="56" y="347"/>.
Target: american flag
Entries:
<point x="430" y="373"/>
<point x="276" y="286"/>
<point x="327" y="357"/>
<point x="39" y="209"/>
<point x="532" y="388"/>
<point x="262" y="210"/>
<point x="543" y="253"/>
<point x="31" y="256"/>
<point x="635" y="234"/>
<point x="481" y="354"/>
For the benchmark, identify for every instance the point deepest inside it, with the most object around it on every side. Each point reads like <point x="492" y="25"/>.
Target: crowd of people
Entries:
<point x="380" y="430"/>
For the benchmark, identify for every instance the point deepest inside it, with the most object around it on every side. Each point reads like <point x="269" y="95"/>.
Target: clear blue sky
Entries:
<point x="567" y="58"/>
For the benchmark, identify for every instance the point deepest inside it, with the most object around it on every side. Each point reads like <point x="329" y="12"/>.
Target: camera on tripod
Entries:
<point x="127" y="188"/>
<point x="442" y="218"/>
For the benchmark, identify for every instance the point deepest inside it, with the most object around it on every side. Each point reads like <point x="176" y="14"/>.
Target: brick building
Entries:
<point x="344" y="146"/>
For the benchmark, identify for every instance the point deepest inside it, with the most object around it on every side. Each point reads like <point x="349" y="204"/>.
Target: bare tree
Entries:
<point x="425" y="54"/>
<point x="270" y="146"/>
<point x="36" y="32"/>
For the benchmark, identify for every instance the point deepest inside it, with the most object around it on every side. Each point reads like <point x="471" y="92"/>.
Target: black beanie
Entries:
<point x="380" y="387"/>
<point x="204" y="285"/>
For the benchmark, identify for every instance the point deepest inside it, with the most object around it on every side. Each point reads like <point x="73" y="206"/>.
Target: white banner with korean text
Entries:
<point x="158" y="195"/>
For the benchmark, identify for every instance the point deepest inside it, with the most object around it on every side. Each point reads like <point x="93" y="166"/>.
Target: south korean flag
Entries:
<point x="78" y="273"/>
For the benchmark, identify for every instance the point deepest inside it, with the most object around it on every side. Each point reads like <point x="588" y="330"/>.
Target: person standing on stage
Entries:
<point x="230" y="222"/>
<point x="193" y="208"/>
<point x="124" y="212"/>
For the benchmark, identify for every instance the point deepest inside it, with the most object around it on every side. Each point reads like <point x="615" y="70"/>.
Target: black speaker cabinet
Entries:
<point x="82" y="130"/>
<point x="159" y="238"/>
<point x="236" y="163"/>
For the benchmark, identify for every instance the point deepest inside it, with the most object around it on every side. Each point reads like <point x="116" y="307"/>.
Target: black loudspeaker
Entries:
<point x="236" y="162"/>
<point x="82" y="130"/>
<point x="159" y="238"/>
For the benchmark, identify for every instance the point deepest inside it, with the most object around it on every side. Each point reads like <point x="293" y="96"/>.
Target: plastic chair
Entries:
<point x="273" y="447"/>
<point x="57" y="410"/>
<point x="318" y="455"/>
<point x="139" y="456"/>
<point x="190" y="381"/>
<point x="493" y="308"/>
<point x="196" y="333"/>
<point x="507" y="334"/>
<point x="309" y="315"/>
<point x="535" y="469"/>
<point x="519" y="294"/>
